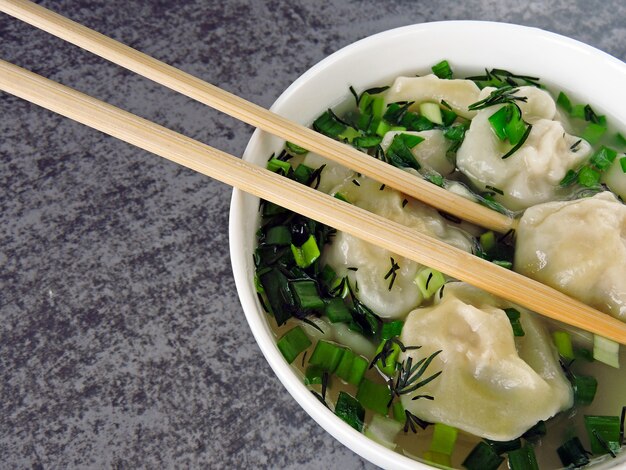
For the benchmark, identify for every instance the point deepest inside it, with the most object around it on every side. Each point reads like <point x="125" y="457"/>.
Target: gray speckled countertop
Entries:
<point x="122" y="340"/>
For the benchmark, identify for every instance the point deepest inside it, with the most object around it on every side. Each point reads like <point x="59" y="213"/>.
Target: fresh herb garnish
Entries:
<point x="409" y="375"/>
<point x="392" y="272"/>
<point x="502" y="95"/>
<point x="412" y="422"/>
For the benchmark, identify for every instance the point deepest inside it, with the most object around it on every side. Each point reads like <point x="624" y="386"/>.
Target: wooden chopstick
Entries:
<point x="255" y="115"/>
<point x="307" y="201"/>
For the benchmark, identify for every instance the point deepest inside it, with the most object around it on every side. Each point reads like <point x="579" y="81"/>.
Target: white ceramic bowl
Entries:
<point x="584" y="72"/>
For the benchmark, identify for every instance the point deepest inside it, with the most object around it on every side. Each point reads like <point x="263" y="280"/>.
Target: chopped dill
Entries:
<point x="409" y="375"/>
<point x="387" y="349"/>
<point x="575" y="146"/>
<point x="356" y="182"/>
<point x="495" y="190"/>
<point x="412" y="422"/>
<point x="392" y="272"/>
<point x="517" y="146"/>
<point x="430" y="276"/>
<point x="503" y="95"/>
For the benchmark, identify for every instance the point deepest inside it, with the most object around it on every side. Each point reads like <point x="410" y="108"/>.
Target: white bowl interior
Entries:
<point x="582" y="71"/>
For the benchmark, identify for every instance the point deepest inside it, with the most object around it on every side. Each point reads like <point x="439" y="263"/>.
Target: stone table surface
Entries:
<point x="122" y="340"/>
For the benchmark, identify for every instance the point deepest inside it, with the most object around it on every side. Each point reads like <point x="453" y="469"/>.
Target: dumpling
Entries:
<point x="492" y="385"/>
<point x="430" y="153"/>
<point x="532" y="174"/>
<point x="332" y="175"/>
<point x="367" y="265"/>
<point x="579" y="248"/>
<point x="459" y="94"/>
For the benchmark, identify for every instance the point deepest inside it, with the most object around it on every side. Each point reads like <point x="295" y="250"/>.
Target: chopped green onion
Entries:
<point x="448" y="116"/>
<point x="519" y="144"/>
<point x="415" y="122"/>
<point x="278" y="235"/>
<point x="444" y="439"/>
<point x="507" y="123"/>
<point x="605" y="350"/>
<point x="399" y="152"/>
<point x="383" y="430"/>
<point x="378" y="107"/>
<point x="503" y="263"/>
<point x="482" y="457"/>
<point x="429" y="281"/>
<point x="564" y="102"/>
<point x="398" y="413"/>
<point x="432" y="112"/>
<point x="570" y="178"/>
<point x="603" y="432"/>
<point x="593" y="133"/>
<point x="337" y="311"/>
<point x="442" y="69"/>
<point x="381" y="127"/>
<point x="303" y="174"/>
<point x="523" y="459"/>
<point x="502" y="447"/>
<point x="326" y="355"/>
<point x="588" y="177"/>
<point x="396" y="111"/>
<point x="578" y="111"/>
<point x="341" y="197"/>
<point x="306" y="294"/>
<point x="295" y="149"/>
<point x="313" y="375"/>
<point x="293" y="343"/>
<point x="387" y="363"/>
<point x="391" y="329"/>
<point x="455" y="133"/>
<point x="271" y="209"/>
<point x="622" y="162"/>
<point x="441" y="460"/>
<point x="584" y="353"/>
<point x="573" y="453"/>
<point x="367" y="141"/>
<point x="275" y="165"/>
<point x="603" y="158"/>
<point x="306" y="254"/>
<point x="621" y="140"/>
<point x="277" y="291"/>
<point x="349" y="134"/>
<point x="328" y="124"/>
<point x="351" y="367"/>
<point x="585" y="388"/>
<point x="350" y="410"/>
<point x="563" y="343"/>
<point x="374" y="396"/>
<point x="488" y="241"/>
<point x="514" y="318"/>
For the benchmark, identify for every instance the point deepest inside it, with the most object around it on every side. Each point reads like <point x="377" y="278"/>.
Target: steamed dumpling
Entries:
<point x="459" y="94"/>
<point x="430" y="153"/>
<point x="488" y="375"/>
<point x="532" y="174"/>
<point x="370" y="264"/>
<point x="579" y="248"/>
<point x="333" y="173"/>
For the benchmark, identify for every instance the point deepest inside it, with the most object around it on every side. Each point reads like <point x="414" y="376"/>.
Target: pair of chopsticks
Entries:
<point x="277" y="189"/>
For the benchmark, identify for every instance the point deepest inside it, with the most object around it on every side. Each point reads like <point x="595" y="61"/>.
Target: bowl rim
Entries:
<point x="241" y="262"/>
